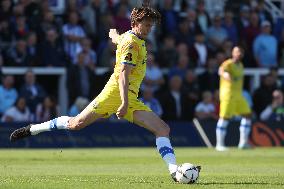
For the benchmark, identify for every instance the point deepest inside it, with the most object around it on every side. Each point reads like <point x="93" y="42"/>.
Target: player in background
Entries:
<point x="232" y="102"/>
<point x="120" y="94"/>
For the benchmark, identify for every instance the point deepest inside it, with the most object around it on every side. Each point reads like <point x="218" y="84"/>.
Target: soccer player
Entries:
<point x="232" y="102"/>
<point x="120" y="94"/>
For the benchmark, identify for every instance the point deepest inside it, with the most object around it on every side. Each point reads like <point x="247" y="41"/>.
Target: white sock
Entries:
<point x="54" y="124"/>
<point x="165" y="148"/>
<point x="245" y="128"/>
<point x="221" y="131"/>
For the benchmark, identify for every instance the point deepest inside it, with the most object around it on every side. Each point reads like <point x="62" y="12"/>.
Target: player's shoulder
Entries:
<point x="129" y="40"/>
<point x="227" y="62"/>
<point x="128" y="37"/>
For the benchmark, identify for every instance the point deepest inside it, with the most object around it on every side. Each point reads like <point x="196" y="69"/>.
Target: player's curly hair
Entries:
<point x="144" y="12"/>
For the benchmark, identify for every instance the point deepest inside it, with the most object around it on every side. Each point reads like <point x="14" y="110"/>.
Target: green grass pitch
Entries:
<point x="120" y="168"/>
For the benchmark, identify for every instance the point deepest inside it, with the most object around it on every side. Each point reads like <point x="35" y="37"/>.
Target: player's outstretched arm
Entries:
<point x="114" y="35"/>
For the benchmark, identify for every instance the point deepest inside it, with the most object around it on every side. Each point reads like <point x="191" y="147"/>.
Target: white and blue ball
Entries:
<point x="187" y="173"/>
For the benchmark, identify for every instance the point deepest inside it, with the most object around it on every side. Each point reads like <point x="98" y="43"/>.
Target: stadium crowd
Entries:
<point x="189" y="37"/>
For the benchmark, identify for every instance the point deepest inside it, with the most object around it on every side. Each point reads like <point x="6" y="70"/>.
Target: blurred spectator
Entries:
<point x="262" y="96"/>
<point x="33" y="92"/>
<point x="275" y="110"/>
<point x="80" y="79"/>
<point x="120" y="3"/>
<point x="206" y="109"/>
<point x="107" y="24"/>
<point x="227" y="48"/>
<point x="107" y="58"/>
<point x="33" y="49"/>
<point x="216" y="34"/>
<point x="248" y="36"/>
<point x="154" y="77"/>
<point x="194" y="28"/>
<point x="92" y="15"/>
<point x="5" y="10"/>
<point x="149" y="100"/>
<point x="199" y="51"/>
<point x="220" y="57"/>
<point x="175" y="102"/>
<point x="18" y="55"/>
<point x="121" y="20"/>
<point x="263" y="14"/>
<point x="48" y="22"/>
<point x="209" y="76"/>
<point x="32" y="11"/>
<point x="202" y="17"/>
<point x="52" y="50"/>
<point x="167" y="54"/>
<point x="78" y="106"/>
<point x="273" y="71"/>
<point x="1" y="64"/>
<point x="265" y="47"/>
<point x="74" y="5"/>
<point x="182" y="49"/>
<point x="46" y="110"/>
<point x="169" y="21"/>
<point x="243" y="19"/>
<point x="183" y="33"/>
<point x="180" y="68"/>
<point x="8" y="94"/>
<point x="90" y="54"/>
<point x="6" y="34"/>
<point x="18" y="10"/>
<point x="21" y="28"/>
<point x="191" y="86"/>
<point x="17" y="113"/>
<point x="281" y="50"/>
<point x="230" y="27"/>
<point x="73" y="33"/>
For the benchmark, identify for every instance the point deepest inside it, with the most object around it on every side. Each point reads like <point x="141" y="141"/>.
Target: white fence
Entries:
<point x="254" y="73"/>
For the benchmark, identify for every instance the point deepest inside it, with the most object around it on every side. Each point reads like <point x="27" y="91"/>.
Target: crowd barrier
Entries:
<point x="101" y="134"/>
<point x="124" y="134"/>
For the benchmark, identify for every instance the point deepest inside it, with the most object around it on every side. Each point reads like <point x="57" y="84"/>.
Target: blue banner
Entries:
<point x="101" y="134"/>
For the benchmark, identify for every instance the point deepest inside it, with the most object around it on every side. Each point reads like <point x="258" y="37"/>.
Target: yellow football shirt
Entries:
<point x="233" y="88"/>
<point x="131" y="50"/>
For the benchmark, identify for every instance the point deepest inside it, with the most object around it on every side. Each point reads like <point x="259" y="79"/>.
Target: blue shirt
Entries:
<point x="154" y="104"/>
<point x="73" y="111"/>
<point x="265" y="50"/>
<point x="7" y="98"/>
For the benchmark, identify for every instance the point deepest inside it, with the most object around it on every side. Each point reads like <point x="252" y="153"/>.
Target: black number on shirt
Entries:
<point x="128" y="57"/>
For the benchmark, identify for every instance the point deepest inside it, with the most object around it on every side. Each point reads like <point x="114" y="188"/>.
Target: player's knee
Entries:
<point x="163" y="131"/>
<point x="75" y="124"/>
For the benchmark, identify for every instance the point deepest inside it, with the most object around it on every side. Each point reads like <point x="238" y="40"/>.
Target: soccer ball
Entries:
<point x="187" y="173"/>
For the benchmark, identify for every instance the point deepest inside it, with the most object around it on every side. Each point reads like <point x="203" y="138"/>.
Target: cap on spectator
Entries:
<point x="265" y="23"/>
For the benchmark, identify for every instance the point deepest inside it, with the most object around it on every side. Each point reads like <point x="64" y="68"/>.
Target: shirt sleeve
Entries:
<point x="129" y="53"/>
<point x="226" y="66"/>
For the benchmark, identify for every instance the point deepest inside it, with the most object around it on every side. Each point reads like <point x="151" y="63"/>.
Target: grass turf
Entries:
<point x="122" y="168"/>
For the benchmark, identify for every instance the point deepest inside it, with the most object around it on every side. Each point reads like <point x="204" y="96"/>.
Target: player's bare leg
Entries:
<point x="86" y="117"/>
<point x="161" y="130"/>
<point x="245" y="128"/>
